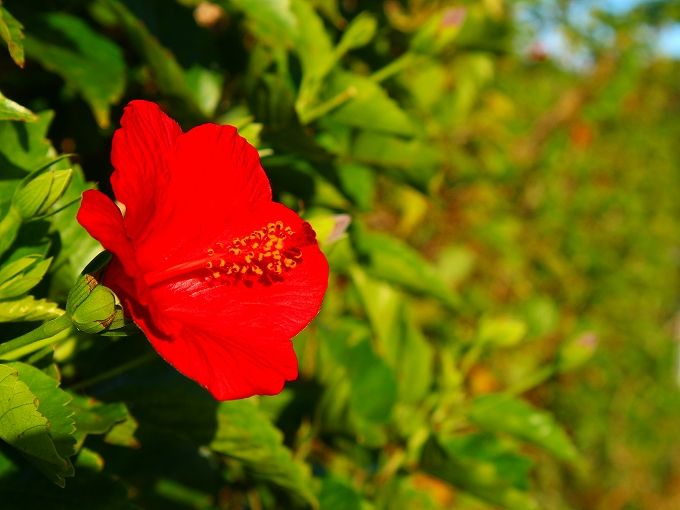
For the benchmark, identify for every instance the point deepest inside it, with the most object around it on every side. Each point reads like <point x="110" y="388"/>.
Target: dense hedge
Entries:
<point x="498" y="327"/>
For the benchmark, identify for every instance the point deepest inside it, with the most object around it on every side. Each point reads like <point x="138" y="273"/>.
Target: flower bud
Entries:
<point x="358" y="33"/>
<point x="439" y="31"/>
<point x="92" y="307"/>
<point x="576" y="352"/>
<point x="40" y="191"/>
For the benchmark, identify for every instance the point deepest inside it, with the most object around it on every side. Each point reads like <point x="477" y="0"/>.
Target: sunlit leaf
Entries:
<point x="26" y="429"/>
<point x="19" y="276"/>
<point x="272" y="21"/>
<point x="28" y="308"/>
<point x="369" y="106"/>
<point x="9" y="110"/>
<point x="112" y="420"/>
<point x="53" y="403"/>
<point x="477" y="476"/>
<point x="11" y="31"/>
<point x="23" y="145"/>
<point x="502" y="413"/>
<point x="244" y="433"/>
<point x="390" y="259"/>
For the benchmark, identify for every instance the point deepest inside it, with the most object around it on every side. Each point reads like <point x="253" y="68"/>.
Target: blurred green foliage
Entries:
<point x="498" y="332"/>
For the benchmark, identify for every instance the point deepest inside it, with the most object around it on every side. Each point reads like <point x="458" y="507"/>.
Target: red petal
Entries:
<point x="226" y="366"/>
<point x="216" y="180"/>
<point x="139" y="158"/>
<point x="103" y="220"/>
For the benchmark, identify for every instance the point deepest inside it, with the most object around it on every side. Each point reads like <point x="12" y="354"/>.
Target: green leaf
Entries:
<point x="316" y="53"/>
<point x="358" y="183"/>
<point x="39" y="191"/>
<point x="26" y="429"/>
<point x="9" y="110"/>
<point x="169" y="76"/>
<point x="90" y="460"/>
<point x="511" y="467"/>
<point x="271" y="21"/>
<point x="503" y="413"/>
<point x="11" y="32"/>
<point x="390" y="259"/>
<point x="20" y="276"/>
<point x="23" y="145"/>
<point x="383" y="305"/>
<point x="53" y="403"/>
<point x="245" y="434"/>
<point x="112" y="420"/>
<point x="478" y="477"/>
<point x="369" y="107"/>
<point x="399" y="342"/>
<point x="28" y="308"/>
<point x="337" y="495"/>
<point x="207" y="88"/>
<point x="409" y="492"/>
<point x="413" y="161"/>
<point x="9" y="228"/>
<point x="373" y="384"/>
<point x="415" y="363"/>
<point x="88" y="62"/>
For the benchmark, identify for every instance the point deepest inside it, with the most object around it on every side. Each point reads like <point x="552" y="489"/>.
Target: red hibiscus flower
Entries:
<point x="218" y="276"/>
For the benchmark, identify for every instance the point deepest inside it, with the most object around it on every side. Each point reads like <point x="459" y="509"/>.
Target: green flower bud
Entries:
<point x="92" y="307"/>
<point x="576" y="352"/>
<point x="439" y="31"/>
<point x="358" y="33"/>
<point x="40" y="191"/>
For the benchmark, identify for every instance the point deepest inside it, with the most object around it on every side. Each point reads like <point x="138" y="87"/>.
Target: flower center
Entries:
<point x="264" y="255"/>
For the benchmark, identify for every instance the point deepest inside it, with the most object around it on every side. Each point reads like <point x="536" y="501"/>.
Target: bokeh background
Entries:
<point x="501" y="329"/>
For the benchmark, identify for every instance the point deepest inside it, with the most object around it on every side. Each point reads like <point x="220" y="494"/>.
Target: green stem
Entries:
<point x="322" y="109"/>
<point x="42" y="335"/>
<point x="396" y="66"/>
<point x="110" y="374"/>
<point x="471" y="357"/>
<point x="533" y="380"/>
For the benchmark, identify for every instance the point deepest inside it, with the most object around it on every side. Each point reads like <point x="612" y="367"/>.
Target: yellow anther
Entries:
<point x="262" y="253"/>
